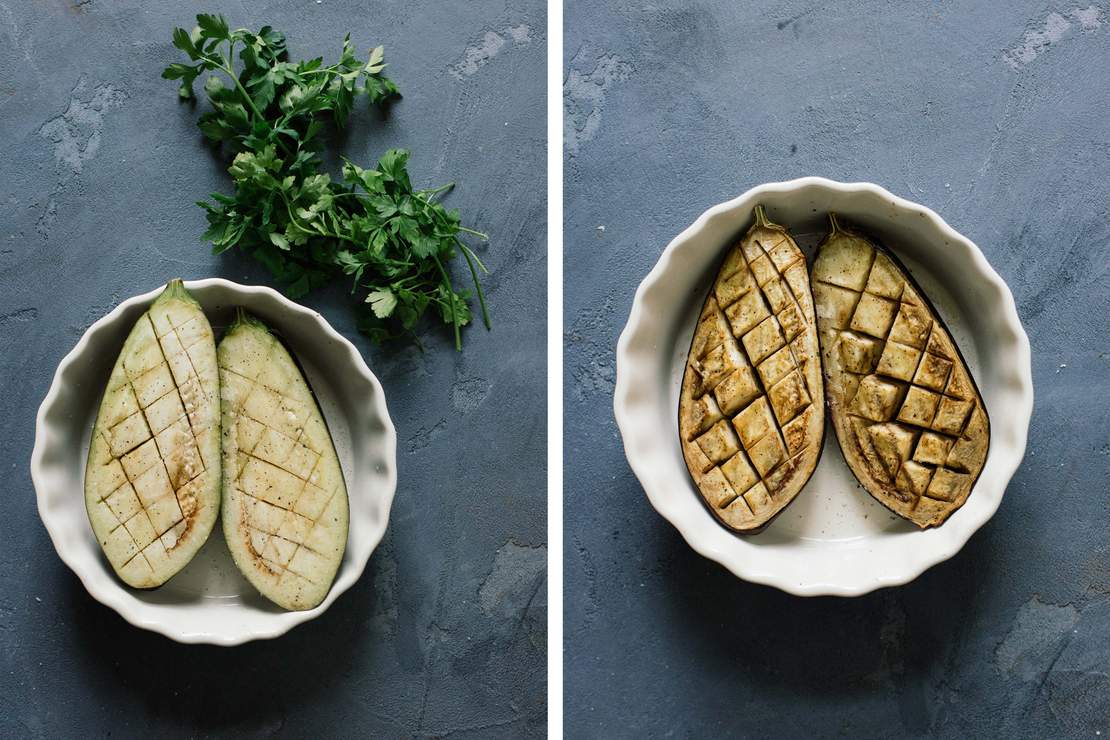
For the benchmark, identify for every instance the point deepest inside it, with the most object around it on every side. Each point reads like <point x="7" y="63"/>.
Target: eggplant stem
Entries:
<point x="761" y="217"/>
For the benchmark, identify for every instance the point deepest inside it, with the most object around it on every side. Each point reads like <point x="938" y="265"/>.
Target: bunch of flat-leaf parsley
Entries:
<point x="396" y="243"/>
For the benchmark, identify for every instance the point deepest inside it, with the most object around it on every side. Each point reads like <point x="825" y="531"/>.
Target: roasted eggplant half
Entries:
<point x="907" y="413"/>
<point x="752" y="409"/>
<point x="152" y="481"/>
<point x="284" y="505"/>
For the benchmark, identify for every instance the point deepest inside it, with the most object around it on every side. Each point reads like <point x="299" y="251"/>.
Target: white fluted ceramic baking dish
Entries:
<point x="834" y="538"/>
<point x="209" y="601"/>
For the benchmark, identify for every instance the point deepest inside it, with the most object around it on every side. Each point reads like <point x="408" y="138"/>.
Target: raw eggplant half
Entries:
<point x="152" y="482"/>
<point x="284" y="500"/>
<point x="908" y="416"/>
<point x="752" y="409"/>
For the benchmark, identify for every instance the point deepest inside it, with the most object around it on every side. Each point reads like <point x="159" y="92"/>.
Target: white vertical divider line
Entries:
<point x="555" y="368"/>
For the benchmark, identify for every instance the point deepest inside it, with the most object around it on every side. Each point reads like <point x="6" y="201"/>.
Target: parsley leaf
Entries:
<point x="382" y="303"/>
<point x="394" y="243"/>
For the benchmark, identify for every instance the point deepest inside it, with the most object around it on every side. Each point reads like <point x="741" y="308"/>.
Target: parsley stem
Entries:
<point x="434" y="191"/>
<point x="475" y="257"/>
<point x="477" y="284"/>
<point x="246" y="96"/>
<point x="229" y="67"/>
<point x="480" y="235"/>
<point x="451" y="298"/>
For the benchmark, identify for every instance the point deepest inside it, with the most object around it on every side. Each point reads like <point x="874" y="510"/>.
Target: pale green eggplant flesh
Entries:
<point x="152" y="481"/>
<point x="284" y="504"/>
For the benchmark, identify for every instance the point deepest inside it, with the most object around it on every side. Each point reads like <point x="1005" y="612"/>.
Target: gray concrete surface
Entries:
<point x="993" y="114"/>
<point x="445" y="634"/>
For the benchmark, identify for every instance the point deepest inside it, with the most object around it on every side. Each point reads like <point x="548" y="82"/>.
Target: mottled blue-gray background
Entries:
<point x="445" y="634"/>
<point x="996" y="115"/>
